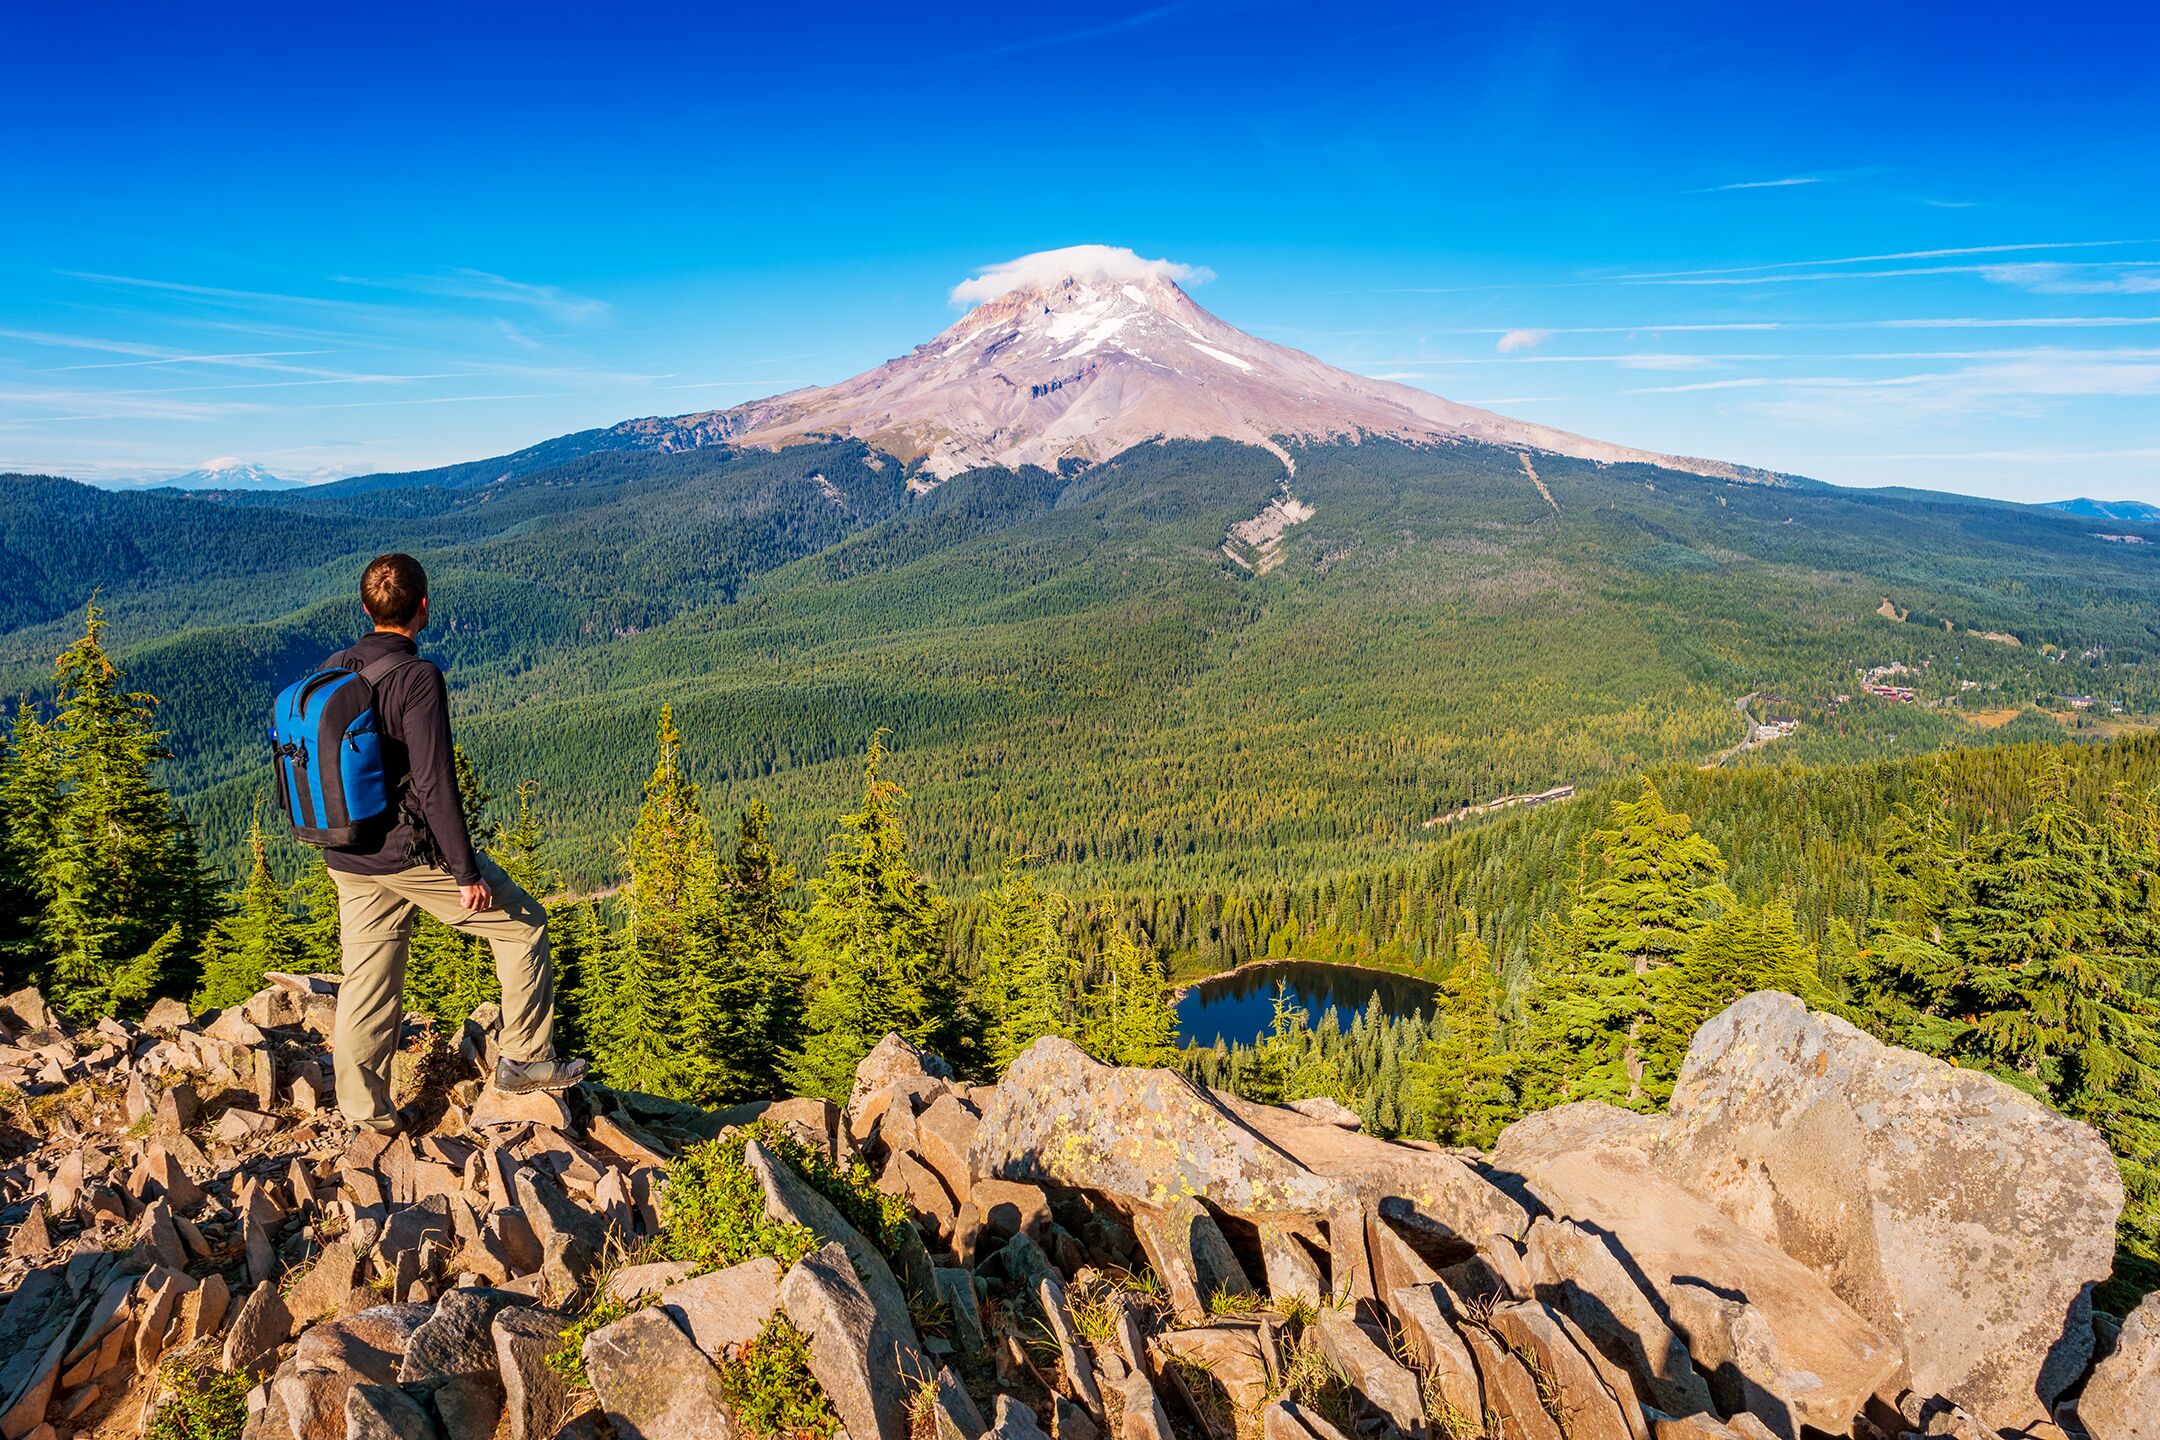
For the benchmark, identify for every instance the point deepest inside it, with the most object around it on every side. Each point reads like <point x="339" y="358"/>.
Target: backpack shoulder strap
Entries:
<point x="377" y="671"/>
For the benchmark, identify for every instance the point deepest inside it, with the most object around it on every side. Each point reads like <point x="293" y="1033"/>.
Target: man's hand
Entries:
<point x="477" y="896"/>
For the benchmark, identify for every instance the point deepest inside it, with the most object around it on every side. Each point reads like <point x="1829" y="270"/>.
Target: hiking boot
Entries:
<point x="516" y="1077"/>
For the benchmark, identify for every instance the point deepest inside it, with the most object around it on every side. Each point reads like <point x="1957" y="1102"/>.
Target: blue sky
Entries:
<point x="1881" y="244"/>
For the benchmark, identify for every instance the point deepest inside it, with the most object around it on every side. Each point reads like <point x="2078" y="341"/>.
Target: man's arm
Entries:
<point x="434" y="776"/>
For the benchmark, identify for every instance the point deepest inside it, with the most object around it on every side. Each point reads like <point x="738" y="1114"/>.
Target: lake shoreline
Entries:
<point x="1191" y="985"/>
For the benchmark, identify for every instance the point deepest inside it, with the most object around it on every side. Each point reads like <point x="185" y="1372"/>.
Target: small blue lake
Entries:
<point x="1240" y="1007"/>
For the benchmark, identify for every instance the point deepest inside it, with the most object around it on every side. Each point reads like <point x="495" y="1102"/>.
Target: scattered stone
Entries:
<point x="500" y="1109"/>
<point x="385" y="1412"/>
<point x="1386" y="1386"/>
<point x="451" y="1362"/>
<point x="724" y="1308"/>
<point x="536" y="1400"/>
<point x="789" y="1198"/>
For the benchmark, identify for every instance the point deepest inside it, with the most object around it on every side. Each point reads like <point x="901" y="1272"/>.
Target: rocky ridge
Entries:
<point x="1821" y="1234"/>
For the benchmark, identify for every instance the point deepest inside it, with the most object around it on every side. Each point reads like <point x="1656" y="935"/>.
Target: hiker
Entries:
<point x="416" y="855"/>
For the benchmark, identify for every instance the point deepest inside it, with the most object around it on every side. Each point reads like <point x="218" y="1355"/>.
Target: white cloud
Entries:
<point x="1522" y="340"/>
<point x="2048" y="278"/>
<point x="1763" y="184"/>
<point x="1047" y="267"/>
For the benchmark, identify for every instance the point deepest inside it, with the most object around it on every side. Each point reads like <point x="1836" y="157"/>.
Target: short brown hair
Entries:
<point x="392" y="588"/>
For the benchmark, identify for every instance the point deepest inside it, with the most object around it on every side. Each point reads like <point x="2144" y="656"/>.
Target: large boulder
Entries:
<point x="1957" y="1215"/>
<point x="1146" y="1137"/>
<point x="1800" y="1354"/>
<point x="654" y="1383"/>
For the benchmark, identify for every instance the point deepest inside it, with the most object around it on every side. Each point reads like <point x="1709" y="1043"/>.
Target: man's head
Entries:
<point x="393" y="591"/>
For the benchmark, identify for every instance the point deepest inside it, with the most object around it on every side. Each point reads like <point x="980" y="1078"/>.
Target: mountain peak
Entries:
<point x="1087" y="351"/>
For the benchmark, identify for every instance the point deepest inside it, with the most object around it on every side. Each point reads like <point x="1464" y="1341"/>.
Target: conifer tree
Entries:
<point x="1028" y="970"/>
<point x="1592" y="1028"/>
<point x="873" y="946"/>
<point x="447" y="974"/>
<point x="257" y="935"/>
<point x="759" y="985"/>
<point x="124" y="899"/>
<point x="1461" y="1090"/>
<point x="29" y="809"/>
<point x="1748" y="948"/>
<point x="1127" y="1018"/>
<point x="321" y="949"/>
<point x="657" y="1012"/>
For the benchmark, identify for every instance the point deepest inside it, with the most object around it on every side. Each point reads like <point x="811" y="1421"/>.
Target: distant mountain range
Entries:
<point x="2107" y="509"/>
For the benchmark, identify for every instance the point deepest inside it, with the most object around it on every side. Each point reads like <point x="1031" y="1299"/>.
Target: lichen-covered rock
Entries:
<point x="1146" y="1137"/>
<point x="1947" y="1208"/>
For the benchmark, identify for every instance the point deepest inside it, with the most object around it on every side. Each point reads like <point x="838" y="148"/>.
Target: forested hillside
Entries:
<point x="1075" y="657"/>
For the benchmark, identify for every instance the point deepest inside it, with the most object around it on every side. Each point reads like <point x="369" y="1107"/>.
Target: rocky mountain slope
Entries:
<point x="1095" y="361"/>
<point x="1823" y="1234"/>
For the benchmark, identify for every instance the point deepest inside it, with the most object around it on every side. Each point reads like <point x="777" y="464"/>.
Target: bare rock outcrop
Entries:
<point x="1957" y="1215"/>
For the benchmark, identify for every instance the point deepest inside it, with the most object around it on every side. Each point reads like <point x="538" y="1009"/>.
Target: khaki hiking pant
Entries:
<point x="375" y="914"/>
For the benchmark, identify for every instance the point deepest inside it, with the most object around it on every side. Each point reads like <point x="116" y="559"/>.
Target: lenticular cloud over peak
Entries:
<point x="1047" y="267"/>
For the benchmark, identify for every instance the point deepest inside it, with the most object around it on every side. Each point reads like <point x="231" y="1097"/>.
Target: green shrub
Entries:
<point x="568" y="1359"/>
<point x="715" y="1210"/>
<point x="205" y="1404"/>
<point x="769" y="1391"/>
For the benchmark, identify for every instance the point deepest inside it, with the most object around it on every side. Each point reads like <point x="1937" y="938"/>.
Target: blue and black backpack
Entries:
<point x="328" y="753"/>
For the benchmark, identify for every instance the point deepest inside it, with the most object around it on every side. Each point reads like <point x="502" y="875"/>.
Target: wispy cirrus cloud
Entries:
<point x="1888" y="256"/>
<point x="1779" y="184"/>
<point x="1515" y="340"/>
<point x="488" y="288"/>
<point x="2048" y="278"/>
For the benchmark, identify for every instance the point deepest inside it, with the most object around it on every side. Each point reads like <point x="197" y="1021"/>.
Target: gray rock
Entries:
<point x="1576" y="1272"/>
<point x="451" y="1362"/>
<point x="536" y="1400"/>
<point x="311" y="1388"/>
<point x="262" y="1325"/>
<point x="1290" y="1269"/>
<point x="1593" y="1412"/>
<point x="1016" y="1422"/>
<point x="653" y="1383"/>
<point x="1191" y="1256"/>
<point x="384" y="1412"/>
<point x="863" y="1355"/>
<point x="724" y="1308"/>
<point x="1145" y="1137"/>
<point x="1950" y="1210"/>
<point x="890" y="1061"/>
<point x="2122" y="1399"/>
<point x="1457" y="1209"/>
<point x="1439" y="1350"/>
<point x="1388" y="1388"/>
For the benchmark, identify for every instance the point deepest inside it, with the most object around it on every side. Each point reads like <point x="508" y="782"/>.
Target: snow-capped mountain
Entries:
<point x="229" y="475"/>
<point x="1083" y="360"/>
